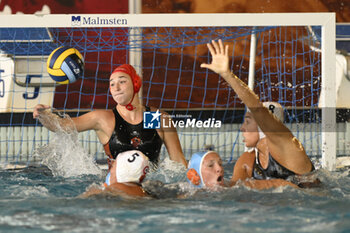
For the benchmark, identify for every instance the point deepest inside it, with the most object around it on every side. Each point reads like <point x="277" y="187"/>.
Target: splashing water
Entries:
<point x="64" y="155"/>
<point x="168" y="180"/>
<point x="168" y="171"/>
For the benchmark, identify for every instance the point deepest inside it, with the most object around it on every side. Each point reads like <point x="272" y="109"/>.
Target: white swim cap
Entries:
<point x="132" y="166"/>
<point x="276" y="109"/>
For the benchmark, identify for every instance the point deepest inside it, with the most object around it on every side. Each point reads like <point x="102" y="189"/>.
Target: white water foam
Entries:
<point x="25" y="191"/>
<point x="64" y="155"/>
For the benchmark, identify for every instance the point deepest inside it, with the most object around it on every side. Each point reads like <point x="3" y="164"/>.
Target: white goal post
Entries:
<point x="325" y="20"/>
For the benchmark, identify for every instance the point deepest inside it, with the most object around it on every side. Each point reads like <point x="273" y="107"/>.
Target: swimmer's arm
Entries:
<point x="113" y="189"/>
<point x="172" y="142"/>
<point x="243" y="168"/>
<point x="283" y="146"/>
<point x="124" y="190"/>
<point x="267" y="184"/>
<point x="50" y="120"/>
<point x="220" y="65"/>
<point x="90" y="120"/>
<point x="104" y="191"/>
<point x="91" y="192"/>
<point x="94" y="120"/>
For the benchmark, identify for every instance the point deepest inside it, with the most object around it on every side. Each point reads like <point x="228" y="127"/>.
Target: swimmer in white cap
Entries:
<point x="276" y="154"/>
<point x="205" y="170"/>
<point x="126" y="175"/>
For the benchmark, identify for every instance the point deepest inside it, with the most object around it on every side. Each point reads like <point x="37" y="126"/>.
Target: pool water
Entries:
<point x="44" y="198"/>
<point x="34" y="200"/>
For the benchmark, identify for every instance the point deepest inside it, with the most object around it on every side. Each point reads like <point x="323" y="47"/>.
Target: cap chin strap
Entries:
<point x="129" y="106"/>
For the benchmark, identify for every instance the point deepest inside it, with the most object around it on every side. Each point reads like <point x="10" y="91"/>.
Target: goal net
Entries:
<point x="289" y="67"/>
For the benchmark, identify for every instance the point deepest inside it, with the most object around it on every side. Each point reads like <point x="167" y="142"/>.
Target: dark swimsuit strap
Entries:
<point x="106" y="146"/>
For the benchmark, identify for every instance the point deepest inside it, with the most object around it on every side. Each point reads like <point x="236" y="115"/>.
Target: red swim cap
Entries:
<point x="128" y="69"/>
<point x="136" y="80"/>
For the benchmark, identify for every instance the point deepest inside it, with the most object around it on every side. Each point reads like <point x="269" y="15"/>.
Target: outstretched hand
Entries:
<point x="38" y="109"/>
<point x="220" y="59"/>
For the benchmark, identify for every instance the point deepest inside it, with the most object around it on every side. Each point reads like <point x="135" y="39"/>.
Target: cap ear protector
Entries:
<point x="193" y="176"/>
<point x="145" y="171"/>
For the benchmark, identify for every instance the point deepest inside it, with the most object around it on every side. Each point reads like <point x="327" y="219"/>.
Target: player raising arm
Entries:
<point x="275" y="155"/>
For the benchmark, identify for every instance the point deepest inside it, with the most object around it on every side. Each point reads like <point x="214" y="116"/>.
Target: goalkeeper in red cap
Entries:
<point x="121" y="129"/>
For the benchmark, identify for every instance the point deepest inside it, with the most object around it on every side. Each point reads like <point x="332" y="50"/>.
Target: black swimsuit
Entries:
<point x="133" y="137"/>
<point x="275" y="170"/>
